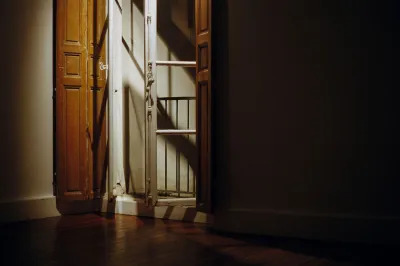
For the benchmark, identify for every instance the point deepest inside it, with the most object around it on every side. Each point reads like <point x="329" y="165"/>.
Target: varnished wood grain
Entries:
<point x="128" y="240"/>
<point x="71" y="100"/>
<point x="97" y="30"/>
<point x="81" y="102"/>
<point x="203" y="103"/>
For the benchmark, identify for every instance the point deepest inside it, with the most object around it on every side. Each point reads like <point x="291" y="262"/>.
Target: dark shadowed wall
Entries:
<point x="306" y="127"/>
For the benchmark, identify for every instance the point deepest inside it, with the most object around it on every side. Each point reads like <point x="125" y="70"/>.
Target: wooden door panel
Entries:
<point x="97" y="96"/>
<point x="72" y="22"/>
<point x="203" y="92"/>
<point x="72" y="107"/>
<point x="203" y="15"/>
<point x="80" y="101"/>
<point x="72" y="64"/>
<point x="97" y="24"/>
<point x="71" y="99"/>
<point x="203" y="146"/>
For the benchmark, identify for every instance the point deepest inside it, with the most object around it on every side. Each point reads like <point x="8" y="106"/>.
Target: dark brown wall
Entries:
<point x="305" y="108"/>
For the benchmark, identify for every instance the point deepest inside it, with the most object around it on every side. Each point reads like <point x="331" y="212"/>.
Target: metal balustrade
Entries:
<point x="177" y="63"/>
<point x="168" y="134"/>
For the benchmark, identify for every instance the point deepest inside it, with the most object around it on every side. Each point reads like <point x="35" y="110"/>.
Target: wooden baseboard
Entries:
<point x="79" y="206"/>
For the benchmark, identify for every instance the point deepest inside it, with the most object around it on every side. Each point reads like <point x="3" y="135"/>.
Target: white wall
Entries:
<point x="117" y="113"/>
<point x="26" y="101"/>
<point x="26" y="74"/>
<point x="305" y="128"/>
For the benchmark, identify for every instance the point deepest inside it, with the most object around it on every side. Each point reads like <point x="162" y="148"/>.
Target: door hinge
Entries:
<point x="148" y="19"/>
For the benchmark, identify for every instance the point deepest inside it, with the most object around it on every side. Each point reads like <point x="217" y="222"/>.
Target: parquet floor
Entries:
<point x="93" y="239"/>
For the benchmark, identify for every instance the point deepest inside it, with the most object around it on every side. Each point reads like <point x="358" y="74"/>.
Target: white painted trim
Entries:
<point x="44" y="207"/>
<point x="177" y="63"/>
<point x="310" y="225"/>
<point x="190" y="202"/>
<point x="28" y="209"/>
<point x="128" y="205"/>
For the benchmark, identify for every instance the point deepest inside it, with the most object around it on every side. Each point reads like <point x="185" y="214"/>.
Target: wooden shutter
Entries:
<point x="72" y="165"/>
<point x="97" y="97"/>
<point x="80" y="104"/>
<point x="203" y="92"/>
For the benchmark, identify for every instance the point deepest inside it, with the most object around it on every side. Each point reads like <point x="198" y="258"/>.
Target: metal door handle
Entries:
<point x="103" y="66"/>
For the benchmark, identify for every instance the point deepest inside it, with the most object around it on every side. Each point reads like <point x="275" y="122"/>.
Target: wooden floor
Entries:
<point x="127" y="240"/>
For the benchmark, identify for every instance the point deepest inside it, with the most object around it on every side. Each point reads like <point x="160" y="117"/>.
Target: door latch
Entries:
<point x="103" y="66"/>
<point x="150" y="78"/>
<point x="150" y="81"/>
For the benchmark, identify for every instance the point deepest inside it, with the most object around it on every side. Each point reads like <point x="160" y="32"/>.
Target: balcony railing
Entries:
<point x="177" y="136"/>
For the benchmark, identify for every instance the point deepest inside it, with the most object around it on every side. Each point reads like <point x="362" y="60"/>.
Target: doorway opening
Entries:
<point x="172" y="58"/>
<point x="170" y="62"/>
<point x="176" y="37"/>
<point x="177" y="100"/>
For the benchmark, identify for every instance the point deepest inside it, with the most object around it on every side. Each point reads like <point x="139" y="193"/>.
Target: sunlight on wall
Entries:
<point x="174" y="81"/>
